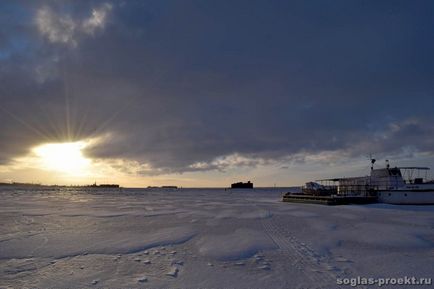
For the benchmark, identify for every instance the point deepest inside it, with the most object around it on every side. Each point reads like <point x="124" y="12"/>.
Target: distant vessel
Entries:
<point x="398" y="185"/>
<point x="241" y="185"/>
<point x="106" y="186"/>
<point x="162" y="187"/>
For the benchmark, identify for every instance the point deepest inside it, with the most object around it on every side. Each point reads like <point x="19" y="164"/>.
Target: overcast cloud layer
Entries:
<point x="200" y="85"/>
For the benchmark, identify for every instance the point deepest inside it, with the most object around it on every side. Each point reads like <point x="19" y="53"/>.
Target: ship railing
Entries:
<point x="323" y="190"/>
<point x="364" y="190"/>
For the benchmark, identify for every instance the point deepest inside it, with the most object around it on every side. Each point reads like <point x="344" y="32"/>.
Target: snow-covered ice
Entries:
<point x="203" y="238"/>
<point x="241" y="244"/>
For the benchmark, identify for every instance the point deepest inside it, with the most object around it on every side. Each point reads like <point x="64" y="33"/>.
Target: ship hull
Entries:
<point x="407" y="197"/>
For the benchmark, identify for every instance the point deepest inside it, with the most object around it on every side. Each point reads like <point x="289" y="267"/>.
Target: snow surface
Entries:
<point x="203" y="238"/>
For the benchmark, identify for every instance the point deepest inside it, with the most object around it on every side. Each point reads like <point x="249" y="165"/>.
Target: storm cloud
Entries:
<point x="181" y="86"/>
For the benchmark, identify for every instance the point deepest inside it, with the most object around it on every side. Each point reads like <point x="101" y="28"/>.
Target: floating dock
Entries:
<point x="328" y="200"/>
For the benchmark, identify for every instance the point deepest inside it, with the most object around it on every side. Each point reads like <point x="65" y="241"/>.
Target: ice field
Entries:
<point x="204" y="238"/>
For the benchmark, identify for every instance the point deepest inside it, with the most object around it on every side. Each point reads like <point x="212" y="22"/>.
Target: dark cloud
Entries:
<point x="188" y="85"/>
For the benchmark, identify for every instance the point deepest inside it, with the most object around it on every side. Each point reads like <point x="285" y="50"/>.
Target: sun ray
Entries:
<point x="113" y="116"/>
<point x="53" y="128"/>
<point x="27" y="125"/>
<point x="67" y="105"/>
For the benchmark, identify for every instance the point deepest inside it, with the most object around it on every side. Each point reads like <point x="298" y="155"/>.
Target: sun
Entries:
<point x="63" y="157"/>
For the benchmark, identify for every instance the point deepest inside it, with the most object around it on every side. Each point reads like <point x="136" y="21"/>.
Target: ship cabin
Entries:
<point x="379" y="179"/>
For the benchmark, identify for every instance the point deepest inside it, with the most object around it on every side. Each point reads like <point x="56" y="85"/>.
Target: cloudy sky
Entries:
<point x="204" y="93"/>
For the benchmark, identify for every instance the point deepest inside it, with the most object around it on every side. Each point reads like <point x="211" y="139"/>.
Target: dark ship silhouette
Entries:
<point x="116" y="186"/>
<point x="241" y="185"/>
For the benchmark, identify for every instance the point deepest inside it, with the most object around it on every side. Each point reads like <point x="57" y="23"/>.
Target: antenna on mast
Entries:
<point x="372" y="162"/>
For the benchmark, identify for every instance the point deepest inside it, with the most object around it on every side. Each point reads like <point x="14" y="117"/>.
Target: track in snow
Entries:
<point x="313" y="266"/>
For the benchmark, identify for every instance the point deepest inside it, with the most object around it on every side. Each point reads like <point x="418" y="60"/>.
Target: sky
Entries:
<point x="206" y="93"/>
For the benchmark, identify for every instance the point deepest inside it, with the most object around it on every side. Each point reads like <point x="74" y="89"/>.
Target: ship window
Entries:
<point x="389" y="194"/>
<point x="379" y="194"/>
<point x="405" y="195"/>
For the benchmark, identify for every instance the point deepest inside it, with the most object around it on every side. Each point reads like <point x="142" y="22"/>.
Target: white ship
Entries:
<point x="397" y="185"/>
<point x="392" y="188"/>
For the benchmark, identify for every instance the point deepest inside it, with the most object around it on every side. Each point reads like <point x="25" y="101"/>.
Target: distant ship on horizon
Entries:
<point x="109" y="186"/>
<point x="241" y="185"/>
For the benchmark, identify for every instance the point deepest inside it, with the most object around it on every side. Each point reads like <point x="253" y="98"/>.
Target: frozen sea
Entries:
<point x="204" y="238"/>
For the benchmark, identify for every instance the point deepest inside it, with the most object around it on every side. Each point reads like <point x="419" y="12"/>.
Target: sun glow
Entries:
<point x="63" y="157"/>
